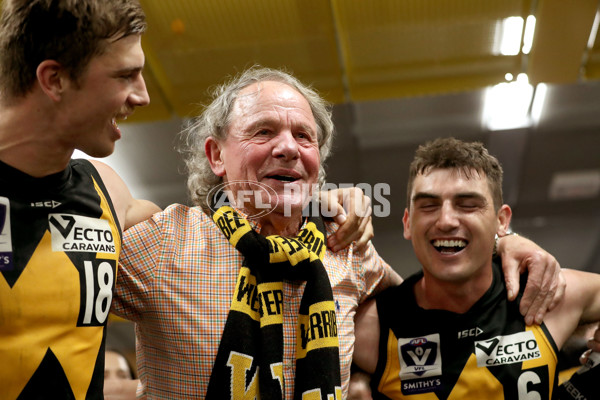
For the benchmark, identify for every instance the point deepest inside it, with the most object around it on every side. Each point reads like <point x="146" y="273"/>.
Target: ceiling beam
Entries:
<point x="561" y="35"/>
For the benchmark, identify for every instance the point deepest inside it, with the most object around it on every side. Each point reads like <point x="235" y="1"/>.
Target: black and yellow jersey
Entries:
<point x="486" y="353"/>
<point x="59" y="246"/>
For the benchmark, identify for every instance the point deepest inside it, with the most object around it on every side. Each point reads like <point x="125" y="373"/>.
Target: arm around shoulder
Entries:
<point x="366" y="332"/>
<point x="375" y="272"/>
<point x="130" y="211"/>
<point x="581" y="304"/>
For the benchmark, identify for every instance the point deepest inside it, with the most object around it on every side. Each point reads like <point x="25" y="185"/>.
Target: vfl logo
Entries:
<point x="6" y="252"/>
<point x="80" y="234"/>
<point x="3" y="209"/>
<point x="420" y="357"/>
<point x="418" y="353"/>
<point x="509" y="349"/>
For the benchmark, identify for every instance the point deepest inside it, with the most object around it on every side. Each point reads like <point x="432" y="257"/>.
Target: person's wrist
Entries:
<point x="509" y="232"/>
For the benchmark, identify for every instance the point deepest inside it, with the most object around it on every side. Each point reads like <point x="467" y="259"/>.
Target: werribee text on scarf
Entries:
<point x="249" y="362"/>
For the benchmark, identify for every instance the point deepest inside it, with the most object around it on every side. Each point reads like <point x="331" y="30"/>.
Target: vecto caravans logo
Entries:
<point x="507" y="349"/>
<point x="80" y="234"/>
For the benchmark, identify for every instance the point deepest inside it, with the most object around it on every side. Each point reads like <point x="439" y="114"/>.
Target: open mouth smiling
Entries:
<point x="283" y="178"/>
<point x="449" y="246"/>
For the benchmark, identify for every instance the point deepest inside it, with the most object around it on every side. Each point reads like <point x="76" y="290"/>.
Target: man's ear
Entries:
<point x="51" y="78"/>
<point x="406" y="223"/>
<point x="212" y="148"/>
<point x="504" y="217"/>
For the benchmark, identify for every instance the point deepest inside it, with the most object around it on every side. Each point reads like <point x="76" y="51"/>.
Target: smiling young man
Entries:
<point x="449" y="332"/>
<point x="69" y="71"/>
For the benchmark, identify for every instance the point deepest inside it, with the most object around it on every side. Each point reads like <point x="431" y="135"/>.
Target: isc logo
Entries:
<point x="46" y="204"/>
<point x="470" y="332"/>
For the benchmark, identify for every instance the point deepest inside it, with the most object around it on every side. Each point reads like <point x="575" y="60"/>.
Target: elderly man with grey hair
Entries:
<point x="239" y="297"/>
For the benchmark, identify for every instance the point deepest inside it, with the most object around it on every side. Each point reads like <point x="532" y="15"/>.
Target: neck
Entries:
<point x="29" y="141"/>
<point x="459" y="297"/>
<point x="277" y="224"/>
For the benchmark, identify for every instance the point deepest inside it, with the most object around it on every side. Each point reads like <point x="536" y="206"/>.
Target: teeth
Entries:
<point x="449" y="243"/>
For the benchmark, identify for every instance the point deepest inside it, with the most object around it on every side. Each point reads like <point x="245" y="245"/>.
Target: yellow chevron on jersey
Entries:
<point x="18" y="366"/>
<point x="542" y="338"/>
<point x="54" y="302"/>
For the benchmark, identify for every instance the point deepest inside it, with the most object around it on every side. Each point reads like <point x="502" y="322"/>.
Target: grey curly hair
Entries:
<point x="216" y="118"/>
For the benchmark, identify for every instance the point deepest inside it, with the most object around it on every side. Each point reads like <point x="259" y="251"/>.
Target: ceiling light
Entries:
<point x="528" y="36"/>
<point x="537" y="105"/>
<point x="594" y="32"/>
<point x="508" y="36"/>
<point x="506" y="105"/>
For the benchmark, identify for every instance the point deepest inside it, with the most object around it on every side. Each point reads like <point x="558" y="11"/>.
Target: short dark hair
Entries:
<point x="451" y="153"/>
<point x="70" y="32"/>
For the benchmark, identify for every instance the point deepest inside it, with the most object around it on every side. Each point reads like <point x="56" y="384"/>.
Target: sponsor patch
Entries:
<point x="80" y="234"/>
<point x="421" y="364"/>
<point x="6" y="252"/>
<point x="507" y="349"/>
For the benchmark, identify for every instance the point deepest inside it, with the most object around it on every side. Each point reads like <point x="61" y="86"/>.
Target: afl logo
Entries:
<point x="255" y="196"/>
<point x="418" y="342"/>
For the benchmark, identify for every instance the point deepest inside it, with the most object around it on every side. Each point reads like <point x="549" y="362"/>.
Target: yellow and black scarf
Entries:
<point x="249" y="362"/>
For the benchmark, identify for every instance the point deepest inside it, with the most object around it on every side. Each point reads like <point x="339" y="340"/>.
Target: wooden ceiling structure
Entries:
<point x="356" y="50"/>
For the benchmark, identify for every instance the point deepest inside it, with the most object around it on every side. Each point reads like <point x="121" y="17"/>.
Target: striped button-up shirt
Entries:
<point x="176" y="281"/>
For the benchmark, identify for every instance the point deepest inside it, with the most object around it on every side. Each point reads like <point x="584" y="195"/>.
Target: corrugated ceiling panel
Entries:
<point x="415" y="47"/>
<point x="561" y="37"/>
<point x="192" y="45"/>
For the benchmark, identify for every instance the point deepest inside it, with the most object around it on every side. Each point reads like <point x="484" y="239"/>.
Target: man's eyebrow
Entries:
<point x="463" y="195"/>
<point x="470" y="195"/>
<point x="424" y="195"/>
<point x="129" y="70"/>
<point x="267" y="121"/>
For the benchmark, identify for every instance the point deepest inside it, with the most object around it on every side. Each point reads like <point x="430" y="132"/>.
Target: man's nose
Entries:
<point x="139" y="96"/>
<point x="286" y="146"/>
<point x="448" y="217"/>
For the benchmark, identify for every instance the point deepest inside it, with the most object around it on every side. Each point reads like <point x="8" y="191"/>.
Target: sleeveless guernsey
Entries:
<point x="59" y="246"/>
<point x="486" y="353"/>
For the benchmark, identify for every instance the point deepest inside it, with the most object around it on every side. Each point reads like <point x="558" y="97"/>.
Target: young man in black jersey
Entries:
<point x="69" y="71"/>
<point x="449" y="330"/>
